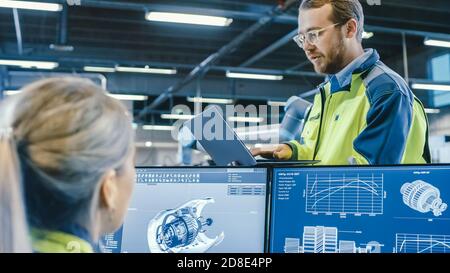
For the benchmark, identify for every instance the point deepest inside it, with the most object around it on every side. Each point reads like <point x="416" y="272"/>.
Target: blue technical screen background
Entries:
<point x="238" y="209"/>
<point x="359" y="209"/>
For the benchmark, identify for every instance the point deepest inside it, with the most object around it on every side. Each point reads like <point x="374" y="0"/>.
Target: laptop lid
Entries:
<point x="219" y="139"/>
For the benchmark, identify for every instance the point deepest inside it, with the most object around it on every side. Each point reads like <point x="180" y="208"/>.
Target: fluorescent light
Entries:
<point x="127" y="97"/>
<point x="30" y="5"/>
<point x="146" y="69"/>
<point x="254" y="76"/>
<point x="148" y="144"/>
<point x="432" y="111"/>
<point x="438" y="87"/>
<point x="158" y="127"/>
<point x="99" y="69"/>
<point x="11" y="92"/>
<point x="134" y="125"/>
<point x="188" y="19"/>
<point x="29" y="64"/>
<point x="176" y="116"/>
<point x="367" y="35"/>
<point x="116" y="96"/>
<point x="433" y="42"/>
<point x="276" y="103"/>
<point x="210" y="100"/>
<point x="246" y="119"/>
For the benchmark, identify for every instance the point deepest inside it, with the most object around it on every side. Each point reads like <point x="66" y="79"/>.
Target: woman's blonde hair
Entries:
<point x="67" y="134"/>
<point x="13" y="226"/>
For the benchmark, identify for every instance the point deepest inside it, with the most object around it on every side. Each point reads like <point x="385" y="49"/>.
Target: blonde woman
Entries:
<point x="71" y="145"/>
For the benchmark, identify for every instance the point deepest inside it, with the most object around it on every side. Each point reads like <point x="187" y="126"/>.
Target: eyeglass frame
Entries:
<point x="317" y="32"/>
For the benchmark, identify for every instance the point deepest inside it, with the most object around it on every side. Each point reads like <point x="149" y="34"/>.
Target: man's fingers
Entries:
<point x="255" y="151"/>
<point x="280" y="155"/>
<point x="282" y="152"/>
<point x="276" y="155"/>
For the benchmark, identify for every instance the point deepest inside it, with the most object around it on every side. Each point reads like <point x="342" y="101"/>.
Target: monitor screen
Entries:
<point x="401" y="209"/>
<point x="184" y="210"/>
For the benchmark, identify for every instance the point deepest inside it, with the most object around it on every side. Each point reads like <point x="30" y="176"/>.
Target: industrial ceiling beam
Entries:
<point x="411" y="32"/>
<point x="298" y="66"/>
<point x="213" y="58"/>
<point x="61" y="41"/>
<point x="62" y="38"/>
<point x="18" y="31"/>
<point x="281" y="42"/>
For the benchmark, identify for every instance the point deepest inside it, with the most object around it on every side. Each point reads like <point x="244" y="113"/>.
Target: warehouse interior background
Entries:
<point x="165" y="64"/>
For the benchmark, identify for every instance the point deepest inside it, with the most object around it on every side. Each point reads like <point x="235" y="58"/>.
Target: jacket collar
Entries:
<point x="343" y="79"/>
<point x="46" y="241"/>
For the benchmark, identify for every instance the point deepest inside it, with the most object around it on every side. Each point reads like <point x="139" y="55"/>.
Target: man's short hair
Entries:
<point x="343" y="10"/>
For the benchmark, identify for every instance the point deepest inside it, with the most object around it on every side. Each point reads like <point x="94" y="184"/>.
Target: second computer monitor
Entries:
<point x="401" y="209"/>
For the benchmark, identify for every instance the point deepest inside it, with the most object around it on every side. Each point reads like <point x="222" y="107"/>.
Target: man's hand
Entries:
<point x="281" y="151"/>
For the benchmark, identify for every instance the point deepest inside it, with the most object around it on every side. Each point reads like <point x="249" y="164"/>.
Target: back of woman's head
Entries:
<point x="13" y="226"/>
<point x="68" y="133"/>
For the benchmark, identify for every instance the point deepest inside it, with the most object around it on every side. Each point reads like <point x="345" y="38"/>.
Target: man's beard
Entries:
<point x="336" y="59"/>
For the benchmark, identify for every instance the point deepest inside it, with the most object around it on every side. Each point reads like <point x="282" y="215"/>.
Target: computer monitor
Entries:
<point x="392" y="209"/>
<point x="185" y="210"/>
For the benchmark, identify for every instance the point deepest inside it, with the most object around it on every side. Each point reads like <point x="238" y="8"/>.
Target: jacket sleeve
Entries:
<point x="388" y="121"/>
<point x="299" y="151"/>
<point x="304" y="149"/>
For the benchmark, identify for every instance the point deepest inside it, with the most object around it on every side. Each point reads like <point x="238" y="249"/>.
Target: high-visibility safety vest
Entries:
<point x="365" y="114"/>
<point x="45" y="241"/>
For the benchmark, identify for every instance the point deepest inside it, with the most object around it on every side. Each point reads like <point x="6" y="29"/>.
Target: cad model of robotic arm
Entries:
<point x="182" y="230"/>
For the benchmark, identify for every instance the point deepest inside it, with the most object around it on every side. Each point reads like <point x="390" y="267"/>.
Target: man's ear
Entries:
<point x="351" y="28"/>
<point x="108" y="189"/>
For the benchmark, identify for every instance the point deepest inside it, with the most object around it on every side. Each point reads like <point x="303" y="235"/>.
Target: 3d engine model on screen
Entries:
<point x="182" y="230"/>
<point x="423" y="197"/>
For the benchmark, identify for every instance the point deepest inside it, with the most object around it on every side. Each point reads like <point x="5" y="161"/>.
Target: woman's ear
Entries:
<point x="108" y="190"/>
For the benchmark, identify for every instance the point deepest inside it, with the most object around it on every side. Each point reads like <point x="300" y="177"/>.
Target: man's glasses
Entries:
<point x="311" y="36"/>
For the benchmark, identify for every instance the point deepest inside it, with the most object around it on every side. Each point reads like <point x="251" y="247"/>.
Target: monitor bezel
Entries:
<point x="272" y="180"/>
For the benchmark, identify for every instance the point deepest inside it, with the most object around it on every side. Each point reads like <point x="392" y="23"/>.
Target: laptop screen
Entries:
<point x="184" y="210"/>
<point x="400" y="209"/>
